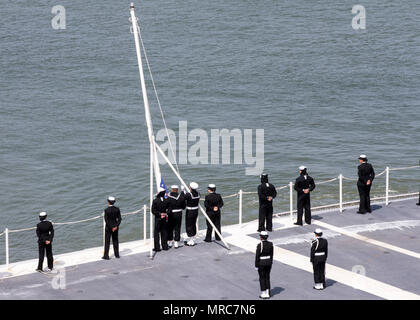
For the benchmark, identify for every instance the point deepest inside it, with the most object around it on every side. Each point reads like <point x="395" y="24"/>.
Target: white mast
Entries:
<point x="153" y="163"/>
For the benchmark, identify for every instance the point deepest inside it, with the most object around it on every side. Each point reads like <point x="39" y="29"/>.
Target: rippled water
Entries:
<point x="72" y="120"/>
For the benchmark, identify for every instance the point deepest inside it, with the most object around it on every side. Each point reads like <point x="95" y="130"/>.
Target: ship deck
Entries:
<point x="372" y="256"/>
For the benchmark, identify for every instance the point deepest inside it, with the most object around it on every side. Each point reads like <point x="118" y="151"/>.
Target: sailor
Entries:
<point x="263" y="263"/>
<point x="112" y="217"/>
<point x="175" y="205"/>
<point x="213" y="202"/>
<point x="266" y="193"/>
<point x="364" y="183"/>
<point x="319" y="253"/>
<point x="304" y="185"/>
<point x="161" y="220"/>
<point x="192" y="198"/>
<point x="45" y="233"/>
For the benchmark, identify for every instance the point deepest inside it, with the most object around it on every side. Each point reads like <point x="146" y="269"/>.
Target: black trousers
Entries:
<point x="304" y="202"/>
<point x="45" y="248"/>
<point x="319" y="272"/>
<point x="265" y="215"/>
<point x="215" y="218"/>
<point x="174" y="226"/>
<point x="108" y="235"/>
<point x="161" y="233"/>
<point x="264" y="273"/>
<point x="190" y="222"/>
<point x="364" y="194"/>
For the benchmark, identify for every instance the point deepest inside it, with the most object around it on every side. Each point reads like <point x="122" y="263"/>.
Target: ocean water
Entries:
<point x="72" y="123"/>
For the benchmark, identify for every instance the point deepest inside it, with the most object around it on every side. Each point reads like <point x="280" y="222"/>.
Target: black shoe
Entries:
<point x="206" y="240"/>
<point x="307" y="222"/>
<point x="298" y="224"/>
<point x="165" y="248"/>
<point x="105" y="258"/>
<point x="361" y="212"/>
<point x="39" y="270"/>
<point x="117" y="257"/>
<point x="156" y="250"/>
<point x="370" y="211"/>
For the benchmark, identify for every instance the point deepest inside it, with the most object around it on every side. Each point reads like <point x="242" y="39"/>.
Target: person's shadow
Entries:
<point x="276" y="290"/>
<point x="329" y="283"/>
<point x="375" y="207"/>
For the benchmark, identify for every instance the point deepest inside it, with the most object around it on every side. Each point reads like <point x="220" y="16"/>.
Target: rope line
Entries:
<point x="322" y="182"/>
<point x="404" y="168"/>
<point x="157" y="97"/>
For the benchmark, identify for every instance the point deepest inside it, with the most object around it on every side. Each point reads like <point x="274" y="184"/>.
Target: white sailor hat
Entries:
<point x="362" y="157"/>
<point x="174" y="186"/>
<point x="42" y="214"/>
<point x="302" y="168"/>
<point x="318" y="231"/>
<point x="193" y="185"/>
<point x="111" y="199"/>
<point x="264" y="234"/>
<point x="212" y="186"/>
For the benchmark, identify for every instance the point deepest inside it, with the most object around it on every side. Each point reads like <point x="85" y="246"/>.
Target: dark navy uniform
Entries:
<point x="264" y="261"/>
<point x="266" y="191"/>
<point x="211" y="201"/>
<point x="159" y="208"/>
<point x="304" y="181"/>
<point x="365" y="172"/>
<point x="45" y="232"/>
<point x="319" y="254"/>
<point x="112" y="217"/>
<point x="192" y="200"/>
<point x="175" y="205"/>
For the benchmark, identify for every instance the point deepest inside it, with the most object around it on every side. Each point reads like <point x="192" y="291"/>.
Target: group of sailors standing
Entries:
<point x="168" y="208"/>
<point x="168" y="215"/>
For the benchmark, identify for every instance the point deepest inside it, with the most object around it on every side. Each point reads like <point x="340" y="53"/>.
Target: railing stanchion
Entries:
<point x="6" y="234"/>
<point x="151" y="233"/>
<point x="103" y="229"/>
<point x="387" y="186"/>
<point x="340" y="177"/>
<point x="144" y="223"/>
<point x="240" y="208"/>
<point x="291" y="199"/>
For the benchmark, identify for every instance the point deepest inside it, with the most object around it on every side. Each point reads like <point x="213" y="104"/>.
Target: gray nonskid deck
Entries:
<point x="209" y="271"/>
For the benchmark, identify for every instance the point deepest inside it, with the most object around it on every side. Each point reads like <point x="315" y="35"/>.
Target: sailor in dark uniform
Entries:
<point x="112" y="217"/>
<point x="175" y="205"/>
<point x="161" y="221"/>
<point x="192" y="199"/>
<point x="319" y="254"/>
<point x="266" y="193"/>
<point x="263" y="263"/>
<point x="304" y="185"/>
<point x="45" y="233"/>
<point x="364" y="183"/>
<point x="213" y="202"/>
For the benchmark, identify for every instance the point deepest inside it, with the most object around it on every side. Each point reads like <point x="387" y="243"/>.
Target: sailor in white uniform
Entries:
<point x="192" y="199"/>
<point x="319" y="254"/>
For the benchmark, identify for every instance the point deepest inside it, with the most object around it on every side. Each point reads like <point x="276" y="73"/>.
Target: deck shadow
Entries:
<point x="329" y="283"/>
<point x="375" y="207"/>
<point x="276" y="290"/>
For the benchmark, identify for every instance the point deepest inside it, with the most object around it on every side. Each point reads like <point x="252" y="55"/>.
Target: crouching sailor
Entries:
<point x="175" y="203"/>
<point x="192" y="199"/>
<point x="161" y="221"/>
<point x="213" y="202"/>
<point x="266" y="193"/>
<point x="45" y="233"/>
<point x="263" y="262"/>
<point x="319" y="253"/>
<point x="112" y="217"/>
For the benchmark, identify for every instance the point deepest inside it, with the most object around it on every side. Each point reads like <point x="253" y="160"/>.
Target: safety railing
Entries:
<point x="340" y="205"/>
